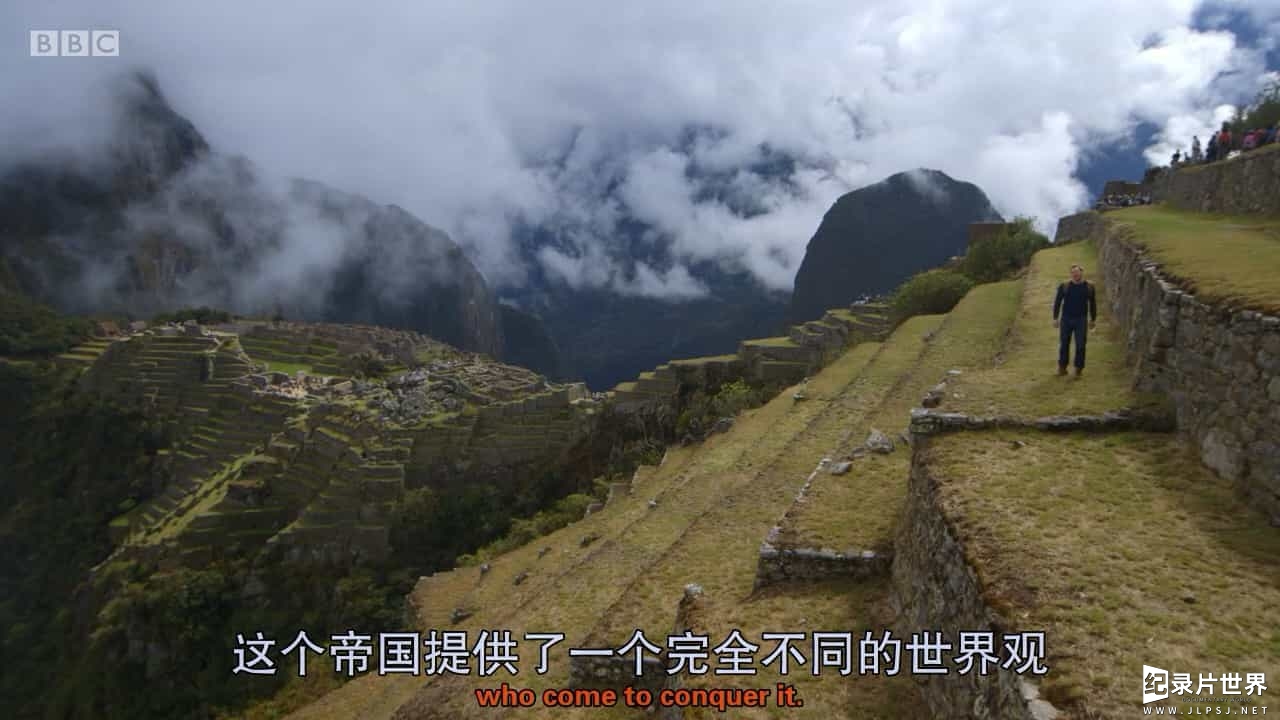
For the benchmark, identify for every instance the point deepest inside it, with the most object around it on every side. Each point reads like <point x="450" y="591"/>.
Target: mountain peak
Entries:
<point x="875" y="237"/>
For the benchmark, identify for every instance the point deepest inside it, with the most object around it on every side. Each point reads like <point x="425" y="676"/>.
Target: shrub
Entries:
<point x="1001" y="256"/>
<point x="1263" y="112"/>
<point x="930" y="292"/>
<point x="524" y="530"/>
<point x="367" y="364"/>
<point x="28" y="328"/>
<point x="701" y="411"/>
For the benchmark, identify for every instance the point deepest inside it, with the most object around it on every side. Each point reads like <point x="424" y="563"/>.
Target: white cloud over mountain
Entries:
<point x="478" y="117"/>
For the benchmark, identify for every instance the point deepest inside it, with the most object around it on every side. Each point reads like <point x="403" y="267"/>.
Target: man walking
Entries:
<point x="1077" y="304"/>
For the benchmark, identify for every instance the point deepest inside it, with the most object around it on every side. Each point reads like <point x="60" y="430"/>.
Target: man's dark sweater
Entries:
<point x="1075" y="300"/>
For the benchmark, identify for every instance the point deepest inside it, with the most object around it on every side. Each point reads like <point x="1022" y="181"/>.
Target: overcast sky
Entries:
<point x="476" y="115"/>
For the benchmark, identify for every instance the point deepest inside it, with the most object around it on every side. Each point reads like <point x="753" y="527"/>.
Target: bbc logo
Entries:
<point x="75" y="43"/>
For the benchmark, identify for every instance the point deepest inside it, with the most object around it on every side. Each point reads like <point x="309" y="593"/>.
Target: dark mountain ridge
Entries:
<point x="158" y="221"/>
<point x="877" y="236"/>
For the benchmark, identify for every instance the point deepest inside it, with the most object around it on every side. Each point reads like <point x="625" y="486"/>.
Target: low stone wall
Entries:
<point x="780" y="565"/>
<point x="785" y="360"/>
<point x="935" y="589"/>
<point x="1246" y="184"/>
<point x="932" y="422"/>
<point x="617" y="672"/>
<point x="1081" y="226"/>
<point x="1219" y="366"/>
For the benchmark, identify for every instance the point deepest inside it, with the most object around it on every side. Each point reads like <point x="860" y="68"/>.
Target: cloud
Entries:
<point x="1179" y="130"/>
<point x="483" y="118"/>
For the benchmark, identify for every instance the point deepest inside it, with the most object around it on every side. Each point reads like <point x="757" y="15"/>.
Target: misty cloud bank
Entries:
<point x="724" y="129"/>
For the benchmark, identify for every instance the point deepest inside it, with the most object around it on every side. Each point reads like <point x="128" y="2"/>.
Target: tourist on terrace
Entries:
<point x="1211" y="150"/>
<point x="1079" y="309"/>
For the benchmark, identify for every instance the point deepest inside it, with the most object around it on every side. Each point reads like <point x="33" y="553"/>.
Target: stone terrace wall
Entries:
<point x="1220" y="366"/>
<point x="1122" y="187"/>
<point x="1246" y="184"/>
<point x="1081" y="226"/>
<point x="783" y="360"/>
<point x="935" y="589"/>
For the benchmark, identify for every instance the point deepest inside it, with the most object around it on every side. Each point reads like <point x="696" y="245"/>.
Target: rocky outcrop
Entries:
<point x="1247" y="184"/>
<point x="1220" y="366"/>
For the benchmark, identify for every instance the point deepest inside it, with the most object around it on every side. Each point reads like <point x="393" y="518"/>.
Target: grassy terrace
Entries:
<point x="810" y="519"/>
<point x="770" y="342"/>
<point x="719" y="552"/>
<point x="289" y="368"/>
<point x="718" y="549"/>
<point x="210" y="492"/>
<point x="807" y="607"/>
<point x="1224" y="259"/>
<point x="876" y="486"/>
<point x="1123" y="548"/>
<point x="1023" y="381"/>
<point x="496" y="598"/>
<point x="704" y="360"/>
<point x="714" y="502"/>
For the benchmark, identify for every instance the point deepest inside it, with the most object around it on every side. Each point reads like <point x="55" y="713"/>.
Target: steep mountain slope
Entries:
<point x="875" y="237"/>
<point x="609" y="332"/>
<point x="527" y="342"/>
<point x="607" y="338"/>
<point x="158" y="220"/>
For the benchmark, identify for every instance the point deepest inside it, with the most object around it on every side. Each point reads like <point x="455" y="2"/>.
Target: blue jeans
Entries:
<point x="1072" y="327"/>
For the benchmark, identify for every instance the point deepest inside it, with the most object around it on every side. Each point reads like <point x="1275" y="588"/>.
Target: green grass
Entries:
<point x="289" y="368"/>
<point x="762" y="485"/>
<point x="847" y="605"/>
<point x="705" y="360"/>
<point x="859" y="510"/>
<point x="1221" y="258"/>
<point x="771" y="342"/>
<point x="715" y="500"/>
<point x="1023" y="380"/>
<point x="1123" y="548"/>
